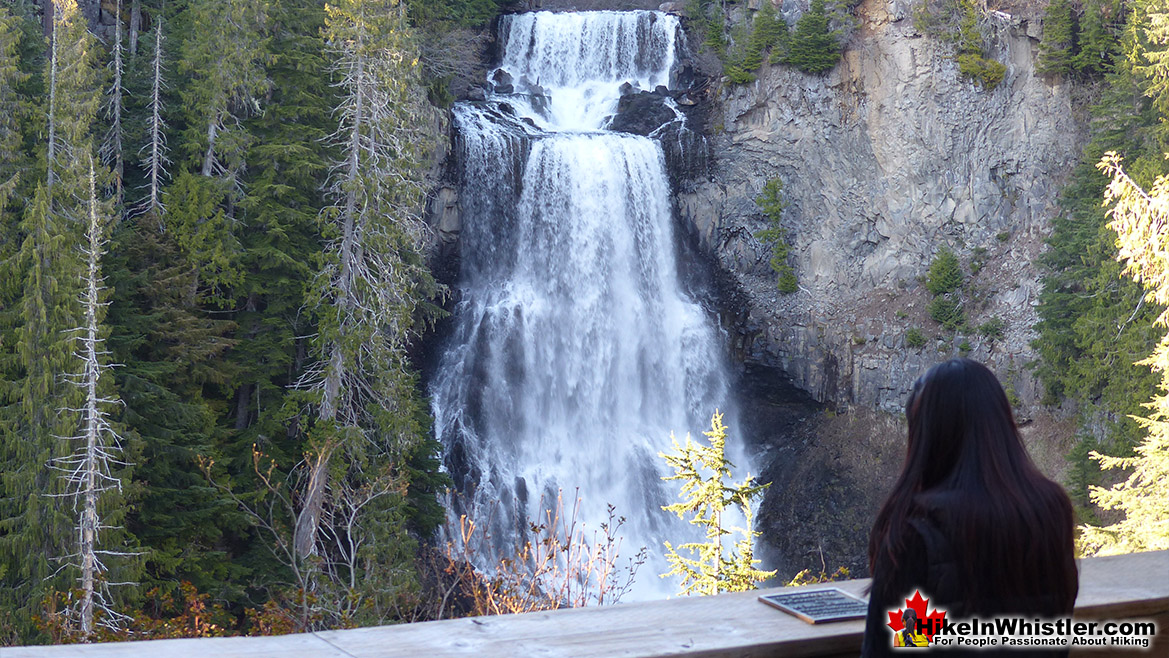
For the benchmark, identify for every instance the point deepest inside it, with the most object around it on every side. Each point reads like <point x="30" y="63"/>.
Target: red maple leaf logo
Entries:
<point x="919" y="605"/>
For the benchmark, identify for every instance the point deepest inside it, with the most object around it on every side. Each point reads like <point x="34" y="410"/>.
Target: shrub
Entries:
<point x="946" y="310"/>
<point x="914" y="337"/>
<point x="992" y="328"/>
<point x="965" y="348"/>
<point x="956" y="22"/>
<point x="987" y="71"/>
<point x="772" y="203"/>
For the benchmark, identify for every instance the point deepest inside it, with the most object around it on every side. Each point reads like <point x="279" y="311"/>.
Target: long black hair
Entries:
<point x="1010" y="527"/>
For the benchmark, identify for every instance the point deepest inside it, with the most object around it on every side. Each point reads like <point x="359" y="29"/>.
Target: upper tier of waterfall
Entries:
<point x="566" y="70"/>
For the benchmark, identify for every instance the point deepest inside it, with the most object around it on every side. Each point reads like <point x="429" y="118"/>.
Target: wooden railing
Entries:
<point x="1120" y="587"/>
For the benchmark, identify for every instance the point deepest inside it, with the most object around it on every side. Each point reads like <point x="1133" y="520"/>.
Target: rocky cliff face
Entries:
<point x="884" y="160"/>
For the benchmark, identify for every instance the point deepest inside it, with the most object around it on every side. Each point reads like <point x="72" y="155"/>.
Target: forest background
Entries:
<point x="248" y="180"/>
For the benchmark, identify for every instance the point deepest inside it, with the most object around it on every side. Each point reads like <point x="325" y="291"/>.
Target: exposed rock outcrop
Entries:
<point x="884" y="160"/>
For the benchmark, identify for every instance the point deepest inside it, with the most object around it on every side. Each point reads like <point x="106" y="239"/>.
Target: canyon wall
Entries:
<point x="884" y="160"/>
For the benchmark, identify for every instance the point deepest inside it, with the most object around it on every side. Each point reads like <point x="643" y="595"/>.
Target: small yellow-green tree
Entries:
<point x="706" y="492"/>
<point x="1141" y="222"/>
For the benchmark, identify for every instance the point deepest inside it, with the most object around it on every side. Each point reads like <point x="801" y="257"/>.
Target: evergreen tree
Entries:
<point x="172" y="352"/>
<point x="367" y="297"/>
<point x="945" y="273"/>
<point x="111" y="148"/>
<point x="1094" y="324"/>
<point x="704" y="471"/>
<point x="35" y="527"/>
<point x="768" y="34"/>
<point x="772" y="203"/>
<point x="1057" y="48"/>
<point x="1139" y="219"/>
<point x="814" y="48"/>
<point x="10" y="135"/>
<point x="1097" y="38"/>
<point x="223" y="58"/>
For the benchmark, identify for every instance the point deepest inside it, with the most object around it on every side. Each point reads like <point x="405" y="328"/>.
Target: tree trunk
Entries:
<point x="136" y="25"/>
<point x="209" y="156"/>
<point x="51" y="154"/>
<point x="156" y="136"/>
<point x="309" y="519"/>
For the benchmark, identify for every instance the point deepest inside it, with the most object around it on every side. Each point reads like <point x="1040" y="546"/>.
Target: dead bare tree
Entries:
<point x="111" y="148"/>
<point x="89" y="469"/>
<point x="155" y="147"/>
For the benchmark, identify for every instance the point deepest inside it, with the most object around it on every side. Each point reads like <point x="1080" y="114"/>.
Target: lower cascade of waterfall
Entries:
<point x="575" y="352"/>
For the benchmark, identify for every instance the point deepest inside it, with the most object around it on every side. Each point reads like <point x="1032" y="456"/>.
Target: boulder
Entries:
<point x="642" y="113"/>
<point x="503" y="82"/>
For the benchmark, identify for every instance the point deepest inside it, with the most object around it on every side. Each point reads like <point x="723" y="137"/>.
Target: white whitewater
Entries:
<point x="575" y="351"/>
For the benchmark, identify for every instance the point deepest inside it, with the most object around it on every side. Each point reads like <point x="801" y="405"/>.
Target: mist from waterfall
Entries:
<point x="575" y="351"/>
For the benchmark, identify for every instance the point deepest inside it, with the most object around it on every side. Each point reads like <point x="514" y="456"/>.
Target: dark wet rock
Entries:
<point x="642" y="113"/>
<point x="501" y="77"/>
<point x="476" y="94"/>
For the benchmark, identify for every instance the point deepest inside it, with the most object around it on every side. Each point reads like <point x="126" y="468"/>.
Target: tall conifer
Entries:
<point x="369" y="292"/>
<point x="35" y="527"/>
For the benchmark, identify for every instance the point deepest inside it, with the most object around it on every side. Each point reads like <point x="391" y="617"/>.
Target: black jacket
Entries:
<point x="931" y="565"/>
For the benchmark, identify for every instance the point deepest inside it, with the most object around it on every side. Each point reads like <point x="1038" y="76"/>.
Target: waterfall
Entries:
<point x="575" y="351"/>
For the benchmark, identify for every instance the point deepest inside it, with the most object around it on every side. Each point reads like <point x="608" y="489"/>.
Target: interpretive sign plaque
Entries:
<point x="819" y="606"/>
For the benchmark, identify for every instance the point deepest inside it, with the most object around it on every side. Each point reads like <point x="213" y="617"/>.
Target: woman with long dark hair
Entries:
<point x="971" y="522"/>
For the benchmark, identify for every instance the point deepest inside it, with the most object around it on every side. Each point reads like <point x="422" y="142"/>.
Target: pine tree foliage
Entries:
<point x="1140" y="221"/>
<point x="368" y="294"/>
<point x="111" y="147"/>
<point x="216" y="309"/>
<point x="1096" y="324"/>
<point x="73" y="102"/>
<point x="704" y="472"/>
<point x="172" y="353"/>
<point x="1057" y="48"/>
<point x="224" y="60"/>
<point x="772" y="203"/>
<point x="945" y="273"/>
<point x="814" y="46"/>
<point x="35" y="526"/>
<point x="10" y="77"/>
<point x="1097" y="37"/>
<point x="767" y="35"/>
